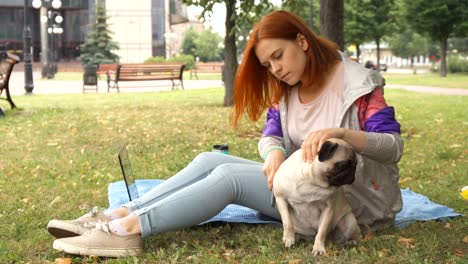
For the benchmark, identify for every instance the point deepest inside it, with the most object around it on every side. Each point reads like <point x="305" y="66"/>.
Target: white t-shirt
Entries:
<point x="321" y="113"/>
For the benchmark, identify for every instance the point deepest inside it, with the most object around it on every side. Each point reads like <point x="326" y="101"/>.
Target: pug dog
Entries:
<point x="310" y="196"/>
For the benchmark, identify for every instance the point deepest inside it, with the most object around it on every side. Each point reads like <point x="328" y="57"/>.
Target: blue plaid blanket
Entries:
<point x="416" y="207"/>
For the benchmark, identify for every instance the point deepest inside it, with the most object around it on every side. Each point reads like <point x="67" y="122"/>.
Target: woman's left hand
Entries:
<point x="314" y="140"/>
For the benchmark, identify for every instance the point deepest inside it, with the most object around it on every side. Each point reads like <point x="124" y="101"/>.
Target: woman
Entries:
<point x="313" y="93"/>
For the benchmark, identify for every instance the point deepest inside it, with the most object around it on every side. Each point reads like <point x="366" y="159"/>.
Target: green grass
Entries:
<point x="429" y="79"/>
<point x="57" y="157"/>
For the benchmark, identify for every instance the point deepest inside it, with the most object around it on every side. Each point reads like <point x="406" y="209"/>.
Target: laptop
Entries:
<point x="127" y="174"/>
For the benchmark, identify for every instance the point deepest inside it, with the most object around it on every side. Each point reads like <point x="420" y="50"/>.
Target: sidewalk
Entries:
<point x="67" y="87"/>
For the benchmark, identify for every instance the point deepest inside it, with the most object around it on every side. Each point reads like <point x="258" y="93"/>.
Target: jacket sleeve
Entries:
<point x="377" y="120"/>
<point x="272" y="132"/>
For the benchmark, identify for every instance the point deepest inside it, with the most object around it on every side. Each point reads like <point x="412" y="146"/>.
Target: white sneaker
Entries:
<point x="79" y="226"/>
<point x="101" y="242"/>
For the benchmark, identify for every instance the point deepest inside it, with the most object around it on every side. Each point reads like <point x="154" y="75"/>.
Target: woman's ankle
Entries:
<point x="126" y="225"/>
<point x="117" y="213"/>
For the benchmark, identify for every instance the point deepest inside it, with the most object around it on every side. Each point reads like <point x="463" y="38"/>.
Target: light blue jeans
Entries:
<point x="200" y="191"/>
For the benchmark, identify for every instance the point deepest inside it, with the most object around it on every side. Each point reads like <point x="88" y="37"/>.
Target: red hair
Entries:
<point x="255" y="88"/>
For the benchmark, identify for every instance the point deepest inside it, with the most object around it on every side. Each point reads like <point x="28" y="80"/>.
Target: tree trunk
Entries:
<point x="443" y="57"/>
<point x="230" y="53"/>
<point x="331" y="21"/>
<point x="377" y="42"/>
<point x="358" y="51"/>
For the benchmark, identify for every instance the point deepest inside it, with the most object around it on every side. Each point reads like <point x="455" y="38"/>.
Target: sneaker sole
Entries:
<point x="61" y="229"/>
<point x="99" y="252"/>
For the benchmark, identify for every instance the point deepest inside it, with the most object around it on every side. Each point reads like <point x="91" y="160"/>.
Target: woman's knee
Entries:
<point x="204" y="157"/>
<point x="226" y="171"/>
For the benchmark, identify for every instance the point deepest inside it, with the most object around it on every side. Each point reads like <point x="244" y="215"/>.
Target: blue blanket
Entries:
<point x="416" y="207"/>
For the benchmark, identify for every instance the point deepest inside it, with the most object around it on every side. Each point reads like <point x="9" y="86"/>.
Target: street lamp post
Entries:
<point x="28" y="76"/>
<point x="51" y="21"/>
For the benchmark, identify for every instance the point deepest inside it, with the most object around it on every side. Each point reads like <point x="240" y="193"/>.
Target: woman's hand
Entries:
<point x="271" y="165"/>
<point x="313" y="142"/>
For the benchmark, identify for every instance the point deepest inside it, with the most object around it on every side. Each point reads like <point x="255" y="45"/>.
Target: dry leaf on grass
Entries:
<point x="407" y="242"/>
<point x="459" y="253"/>
<point x="55" y="200"/>
<point x="63" y="261"/>
<point x="382" y="253"/>
<point x="295" y="261"/>
<point x="407" y="179"/>
<point x="465" y="240"/>
<point x="368" y="237"/>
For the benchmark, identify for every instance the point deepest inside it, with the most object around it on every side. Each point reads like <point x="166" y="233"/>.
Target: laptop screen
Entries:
<point x="127" y="174"/>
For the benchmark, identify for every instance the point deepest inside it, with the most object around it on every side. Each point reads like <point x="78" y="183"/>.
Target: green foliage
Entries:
<point x="408" y="44"/>
<point x="457" y="64"/>
<point x="356" y="26"/>
<point x="99" y="46"/>
<point x="187" y="59"/>
<point x="306" y="9"/>
<point x="369" y="20"/>
<point x="156" y="59"/>
<point x="459" y="44"/>
<point x="188" y="44"/>
<point x="439" y="19"/>
<point x="205" y="45"/>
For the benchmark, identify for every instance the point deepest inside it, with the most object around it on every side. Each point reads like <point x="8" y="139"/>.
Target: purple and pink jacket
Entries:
<point x="375" y="194"/>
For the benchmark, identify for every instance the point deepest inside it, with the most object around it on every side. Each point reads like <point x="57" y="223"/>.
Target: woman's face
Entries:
<point x="285" y="59"/>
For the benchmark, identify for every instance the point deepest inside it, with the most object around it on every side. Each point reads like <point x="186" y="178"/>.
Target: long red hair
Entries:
<point x="255" y="88"/>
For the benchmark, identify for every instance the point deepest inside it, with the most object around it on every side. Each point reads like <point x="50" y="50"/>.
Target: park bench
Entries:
<point x="207" y="67"/>
<point x="7" y="61"/>
<point x="146" y="72"/>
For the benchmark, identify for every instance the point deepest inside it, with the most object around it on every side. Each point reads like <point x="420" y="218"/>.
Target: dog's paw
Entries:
<point x="288" y="241"/>
<point x="319" y="250"/>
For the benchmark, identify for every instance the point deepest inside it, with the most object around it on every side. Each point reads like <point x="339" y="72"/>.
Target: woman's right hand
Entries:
<point x="271" y="165"/>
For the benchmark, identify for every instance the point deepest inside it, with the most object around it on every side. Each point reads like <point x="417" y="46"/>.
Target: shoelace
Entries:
<point x="102" y="226"/>
<point x="94" y="211"/>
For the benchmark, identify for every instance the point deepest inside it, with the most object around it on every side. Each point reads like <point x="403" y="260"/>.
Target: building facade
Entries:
<point x="139" y="27"/>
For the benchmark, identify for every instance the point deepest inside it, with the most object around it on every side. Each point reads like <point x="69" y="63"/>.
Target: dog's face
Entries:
<point x="335" y="164"/>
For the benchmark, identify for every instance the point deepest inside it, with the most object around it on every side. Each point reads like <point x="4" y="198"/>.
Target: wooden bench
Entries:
<point x="7" y="61"/>
<point x="207" y="67"/>
<point x="147" y="72"/>
<point x="108" y="70"/>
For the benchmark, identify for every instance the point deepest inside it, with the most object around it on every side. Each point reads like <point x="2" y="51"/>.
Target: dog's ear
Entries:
<point x="327" y="150"/>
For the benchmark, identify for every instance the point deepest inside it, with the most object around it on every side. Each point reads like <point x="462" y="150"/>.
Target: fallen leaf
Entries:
<point x="382" y="253"/>
<point x="56" y="200"/>
<point x="227" y="254"/>
<point x="295" y="261"/>
<point x="63" y="261"/>
<point x="368" y="237"/>
<point x="407" y="179"/>
<point x="459" y="253"/>
<point x="406" y="242"/>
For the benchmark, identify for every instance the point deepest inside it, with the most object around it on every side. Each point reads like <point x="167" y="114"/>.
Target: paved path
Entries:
<point x="65" y="87"/>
